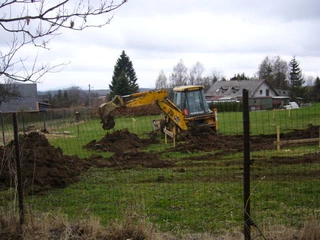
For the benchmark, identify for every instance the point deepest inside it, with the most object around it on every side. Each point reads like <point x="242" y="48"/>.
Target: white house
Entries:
<point x="261" y="94"/>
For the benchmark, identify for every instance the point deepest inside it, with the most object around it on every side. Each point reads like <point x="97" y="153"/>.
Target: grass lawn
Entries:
<point x="207" y="195"/>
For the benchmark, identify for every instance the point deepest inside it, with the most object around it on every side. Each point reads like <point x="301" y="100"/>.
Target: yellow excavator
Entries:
<point x="188" y="108"/>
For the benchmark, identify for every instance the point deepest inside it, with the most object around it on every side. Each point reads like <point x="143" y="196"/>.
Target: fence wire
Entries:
<point x="72" y="166"/>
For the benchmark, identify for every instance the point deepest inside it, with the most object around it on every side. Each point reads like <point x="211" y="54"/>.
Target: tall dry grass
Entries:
<point x="57" y="226"/>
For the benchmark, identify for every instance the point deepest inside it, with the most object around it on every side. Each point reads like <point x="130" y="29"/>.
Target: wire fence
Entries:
<point x="71" y="165"/>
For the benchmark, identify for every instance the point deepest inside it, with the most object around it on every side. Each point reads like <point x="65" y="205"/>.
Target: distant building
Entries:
<point x="28" y="101"/>
<point x="261" y="94"/>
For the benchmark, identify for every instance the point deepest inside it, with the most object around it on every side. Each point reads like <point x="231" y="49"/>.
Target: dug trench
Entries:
<point x="45" y="167"/>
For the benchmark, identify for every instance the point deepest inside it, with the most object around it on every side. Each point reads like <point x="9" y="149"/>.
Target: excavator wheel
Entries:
<point x="109" y="124"/>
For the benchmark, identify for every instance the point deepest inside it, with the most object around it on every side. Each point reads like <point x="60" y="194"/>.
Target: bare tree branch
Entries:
<point x="36" y="22"/>
<point x="9" y="92"/>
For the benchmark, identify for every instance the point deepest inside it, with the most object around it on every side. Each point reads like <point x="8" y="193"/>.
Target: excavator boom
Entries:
<point x="132" y="100"/>
<point x="188" y="108"/>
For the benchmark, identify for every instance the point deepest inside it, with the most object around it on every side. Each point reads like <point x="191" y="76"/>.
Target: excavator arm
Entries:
<point x="173" y="113"/>
<point x="132" y="100"/>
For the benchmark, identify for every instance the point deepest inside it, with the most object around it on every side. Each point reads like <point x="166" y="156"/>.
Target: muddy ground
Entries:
<point x="45" y="167"/>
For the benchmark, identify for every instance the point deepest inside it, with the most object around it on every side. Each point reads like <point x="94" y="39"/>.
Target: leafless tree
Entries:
<point x="161" y="82"/>
<point x="209" y="80"/>
<point x="196" y="74"/>
<point x="216" y="75"/>
<point x="275" y="71"/>
<point x="74" y="94"/>
<point x="179" y="75"/>
<point x="36" y="22"/>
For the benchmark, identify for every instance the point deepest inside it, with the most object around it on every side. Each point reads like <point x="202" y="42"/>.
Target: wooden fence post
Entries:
<point x="278" y="138"/>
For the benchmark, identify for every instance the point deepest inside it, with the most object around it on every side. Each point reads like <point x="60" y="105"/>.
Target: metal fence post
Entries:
<point x="2" y="126"/>
<point x="44" y="121"/>
<point x="18" y="166"/>
<point x="246" y="163"/>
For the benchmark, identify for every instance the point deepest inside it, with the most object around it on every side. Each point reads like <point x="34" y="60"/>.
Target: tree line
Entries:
<point x="71" y="97"/>
<point x="279" y="73"/>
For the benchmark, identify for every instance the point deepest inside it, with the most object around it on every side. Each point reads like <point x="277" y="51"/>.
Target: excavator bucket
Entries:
<point x="105" y="112"/>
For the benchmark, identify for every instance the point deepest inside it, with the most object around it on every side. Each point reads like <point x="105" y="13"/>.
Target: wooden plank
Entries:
<point x="170" y="134"/>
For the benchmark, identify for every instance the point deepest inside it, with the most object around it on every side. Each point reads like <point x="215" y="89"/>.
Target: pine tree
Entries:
<point x="59" y="98"/>
<point x="239" y="77"/>
<point x="118" y="85"/>
<point x="122" y="87"/>
<point x="296" y="80"/>
<point x="316" y="90"/>
<point x="295" y="76"/>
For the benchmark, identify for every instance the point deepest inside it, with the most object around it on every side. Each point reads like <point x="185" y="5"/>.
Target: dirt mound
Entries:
<point x="43" y="166"/>
<point x="311" y="132"/>
<point x="131" y="160"/>
<point x="120" y="141"/>
<point x="196" y="139"/>
<point x="126" y="147"/>
<point x="205" y="139"/>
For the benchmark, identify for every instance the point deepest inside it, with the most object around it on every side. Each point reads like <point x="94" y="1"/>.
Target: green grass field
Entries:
<point x="207" y="196"/>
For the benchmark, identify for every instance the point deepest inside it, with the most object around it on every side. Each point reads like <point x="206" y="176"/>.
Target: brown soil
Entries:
<point x="126" y="147"/>
<point x="121" y="141"/>
<point x="45" y="167"/>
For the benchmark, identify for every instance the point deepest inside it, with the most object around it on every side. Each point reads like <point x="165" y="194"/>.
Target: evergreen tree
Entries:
<point x="295" y="76"/>
<point x="239" y="77"/>
<point x="122" y="87"/>
<point x="316" y="90"/>
<point x="50" y="98"/>
<point x="123" y="71"/>
<point x="296" y="80"/>
<point x="59" y="98"/>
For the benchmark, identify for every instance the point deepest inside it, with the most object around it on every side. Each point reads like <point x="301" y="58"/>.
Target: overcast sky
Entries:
<point x="230" y="36"/>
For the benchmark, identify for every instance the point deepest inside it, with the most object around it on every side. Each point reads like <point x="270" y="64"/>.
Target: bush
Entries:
<point x="227" y="106"/>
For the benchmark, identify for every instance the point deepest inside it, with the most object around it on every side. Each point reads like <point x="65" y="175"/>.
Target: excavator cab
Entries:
<point x="190" y="100"/>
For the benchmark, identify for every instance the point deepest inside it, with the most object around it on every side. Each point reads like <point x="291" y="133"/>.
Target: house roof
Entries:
<point x="234" y="89"/>
<point x="27" y="102"/>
